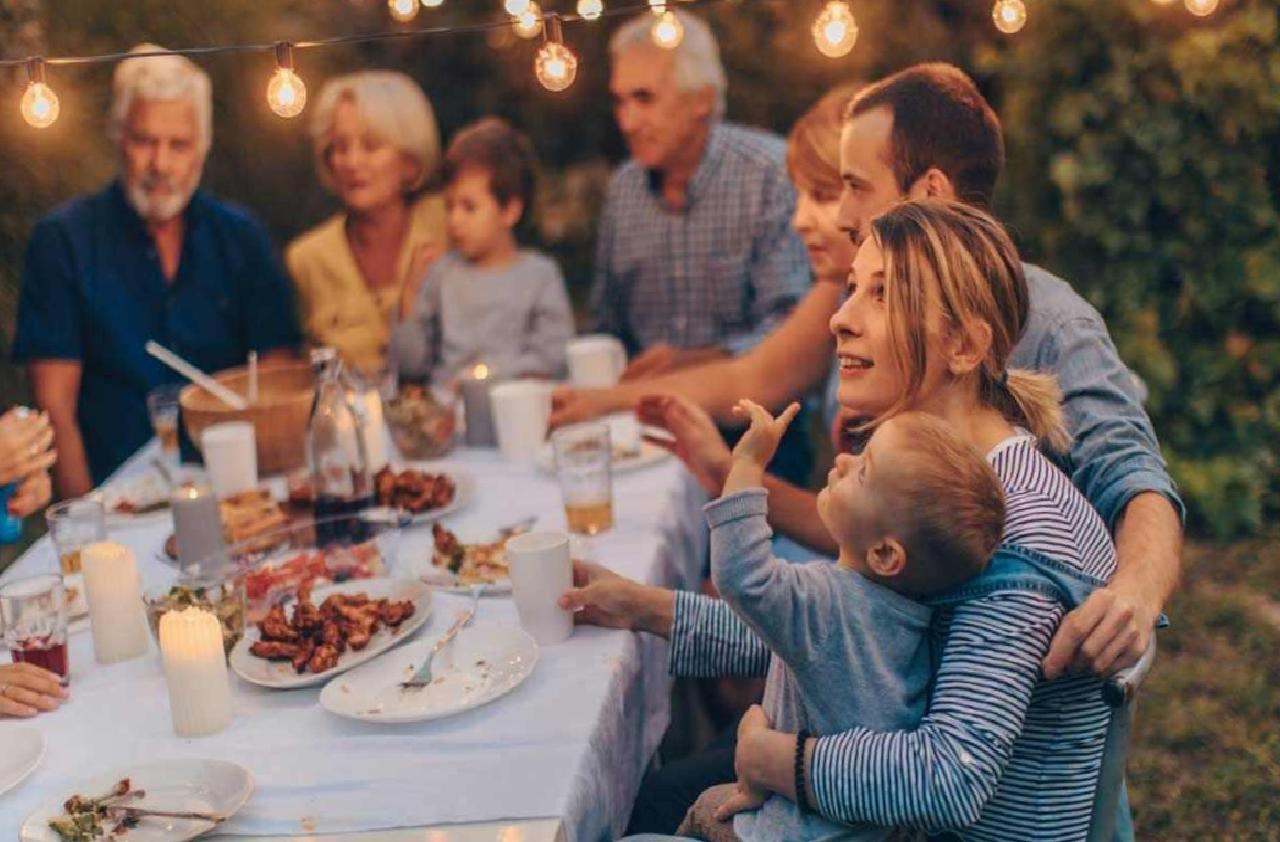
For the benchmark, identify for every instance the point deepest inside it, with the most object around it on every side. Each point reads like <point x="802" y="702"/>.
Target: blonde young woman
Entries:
<point x="376" y="146"/>
<point x="936" y="302"/>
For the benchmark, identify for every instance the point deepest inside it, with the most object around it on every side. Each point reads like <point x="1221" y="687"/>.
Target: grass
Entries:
<point x="1205" y="760"/>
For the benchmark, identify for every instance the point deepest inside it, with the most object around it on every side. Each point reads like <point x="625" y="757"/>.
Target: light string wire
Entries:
<point x="341" y="40"/>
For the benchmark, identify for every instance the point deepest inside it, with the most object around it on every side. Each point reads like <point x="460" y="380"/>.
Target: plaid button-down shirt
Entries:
<point x="722" y="271"/>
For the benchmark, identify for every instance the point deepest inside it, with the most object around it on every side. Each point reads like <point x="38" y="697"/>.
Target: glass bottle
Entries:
<point x="336" y="454"/>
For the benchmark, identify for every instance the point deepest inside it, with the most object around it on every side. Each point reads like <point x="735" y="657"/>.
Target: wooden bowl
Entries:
<point x="279" y="417"/>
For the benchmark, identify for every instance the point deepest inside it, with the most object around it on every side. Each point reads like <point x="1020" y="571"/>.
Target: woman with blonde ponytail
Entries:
<point x="936" y="302"/>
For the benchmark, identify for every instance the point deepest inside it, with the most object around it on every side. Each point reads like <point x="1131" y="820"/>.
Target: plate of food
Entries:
<point x="631" y="450"/>
<point x="161" y="801"/>
<point x="289" y="572"/>
<point x="23" y="751"/>
<point x="129" y="500"/>
<point x="422" y="496"/>
<point x="483" y="663"/>
<point x="457" y="565"/>
<point x="326" y="632"/>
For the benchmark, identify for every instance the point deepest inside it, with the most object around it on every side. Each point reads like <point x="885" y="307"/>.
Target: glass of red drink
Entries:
<point x="33" y="615"/>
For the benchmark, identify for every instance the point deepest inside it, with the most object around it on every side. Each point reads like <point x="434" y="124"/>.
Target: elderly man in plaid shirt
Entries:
<point x="696" y="258"/>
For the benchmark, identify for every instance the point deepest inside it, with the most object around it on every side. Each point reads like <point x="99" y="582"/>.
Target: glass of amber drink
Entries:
<point x="162" y="405"/>
<point x="584" y="457"/>
<point x="74" y="525"/>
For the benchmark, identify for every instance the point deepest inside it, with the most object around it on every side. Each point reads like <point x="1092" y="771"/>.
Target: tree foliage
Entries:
<point x="1145" y="167"/>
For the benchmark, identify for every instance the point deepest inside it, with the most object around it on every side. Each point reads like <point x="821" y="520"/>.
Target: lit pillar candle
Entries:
<point x="114" y="592"/>
<point x="476" y="407"/>
<point x="197" y="528"/>
<point x="195" y="668"/>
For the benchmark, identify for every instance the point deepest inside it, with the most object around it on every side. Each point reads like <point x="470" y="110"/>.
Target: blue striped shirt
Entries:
<point x="722" y="271"/>
<point x="1000" y="754"/>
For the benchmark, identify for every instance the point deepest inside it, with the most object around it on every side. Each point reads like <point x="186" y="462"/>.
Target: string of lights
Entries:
<point x="555" y="65"/>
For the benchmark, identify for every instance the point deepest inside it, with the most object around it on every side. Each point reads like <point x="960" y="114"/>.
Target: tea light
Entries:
<point x="114" y="592"/>
<point x="195" y="668"/>
<point x="197" y="527"/>
<point x="476" y="407"/>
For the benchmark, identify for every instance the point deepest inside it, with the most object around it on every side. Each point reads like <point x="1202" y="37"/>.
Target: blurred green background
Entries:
<point x="1144" y="148"/>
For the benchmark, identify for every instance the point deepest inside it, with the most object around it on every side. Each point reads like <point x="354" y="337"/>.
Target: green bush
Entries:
<point x="1145" y="167"/>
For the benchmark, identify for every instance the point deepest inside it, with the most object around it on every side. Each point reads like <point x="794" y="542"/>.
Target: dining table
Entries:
<point x="560" y="757"/>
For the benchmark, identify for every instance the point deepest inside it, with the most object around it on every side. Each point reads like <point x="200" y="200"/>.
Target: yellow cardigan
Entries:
<point x="335" y="305"/>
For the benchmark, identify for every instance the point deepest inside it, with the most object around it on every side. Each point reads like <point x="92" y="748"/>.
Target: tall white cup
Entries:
<point x="596" y="361"/>
<point x="521" y="411"/>
<point x="540" y="573"/>
<point x="230" y="457"/>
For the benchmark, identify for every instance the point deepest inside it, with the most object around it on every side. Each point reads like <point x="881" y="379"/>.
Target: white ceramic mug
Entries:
<point x="596" y="361"/>
<point x="230" y="457"/>
<point x="540" y="573"/>
<point x="521" y="411"/>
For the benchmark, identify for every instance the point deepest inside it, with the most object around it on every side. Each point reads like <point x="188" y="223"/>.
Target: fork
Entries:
<point x="422" y="677"/>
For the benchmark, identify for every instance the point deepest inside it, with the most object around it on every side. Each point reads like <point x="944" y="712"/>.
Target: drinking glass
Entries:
<point x="74" y="525"/>
<point x="33" y="614"/>
<point x="162" y="404"/>
<point x="584" y="456"/>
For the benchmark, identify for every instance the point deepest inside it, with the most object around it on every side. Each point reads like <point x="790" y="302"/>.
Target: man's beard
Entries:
<point x="163" y="206"/>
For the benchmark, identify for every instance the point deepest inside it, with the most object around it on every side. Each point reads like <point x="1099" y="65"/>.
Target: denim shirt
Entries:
<point x="1114" y="455"/>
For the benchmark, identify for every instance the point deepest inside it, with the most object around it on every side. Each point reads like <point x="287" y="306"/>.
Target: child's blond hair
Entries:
<point x="944" y="503"/>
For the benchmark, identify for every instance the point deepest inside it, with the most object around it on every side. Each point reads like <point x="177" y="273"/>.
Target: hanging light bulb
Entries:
<point x="555" y="65"/>
<point x="1009" y="15"/>
<point x="529" y="23"/>
<point x="286" y="93"/>
<point x="1201" y="8"/>
<point x="516" y="8"/>
<point x="39" y="103"/>
<point x="835" y="31"/>
<point x="668" y="31"/>
<point x="590" y="9"/>
<point x="403" y="10"/>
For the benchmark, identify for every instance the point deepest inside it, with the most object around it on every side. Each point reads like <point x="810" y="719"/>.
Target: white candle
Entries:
<point x="114" y="592"/>
<point x="477" y="412"/>
<point x="195" y="668"/>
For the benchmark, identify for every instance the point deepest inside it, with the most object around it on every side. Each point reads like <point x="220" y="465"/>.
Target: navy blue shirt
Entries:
<point x="93" y="291"/>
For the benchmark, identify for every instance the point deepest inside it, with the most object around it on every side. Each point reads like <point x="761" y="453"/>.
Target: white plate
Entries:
<point x="280" y="674"/>
<point x="649" y="454"/>
<point x="23" y="751"/>
<point x="443" y="580"/>
<point x="143" y="491"/>
<point x="480" y="665"/>
<point x="206" y="786"/>
<point x="464" y="492"/>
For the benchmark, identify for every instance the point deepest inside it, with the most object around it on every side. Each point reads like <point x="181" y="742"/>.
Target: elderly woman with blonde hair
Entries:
<point x="376" y="147"/>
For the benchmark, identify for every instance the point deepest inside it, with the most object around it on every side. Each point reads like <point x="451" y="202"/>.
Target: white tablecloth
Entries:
<point x="571" y="742"/>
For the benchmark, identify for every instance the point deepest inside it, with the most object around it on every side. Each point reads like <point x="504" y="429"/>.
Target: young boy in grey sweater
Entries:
<point x="487" y="301"/>
<point x="917" y="513"/>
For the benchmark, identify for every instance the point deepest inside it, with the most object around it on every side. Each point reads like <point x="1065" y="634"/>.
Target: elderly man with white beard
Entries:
<point x="149" y="257"/>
